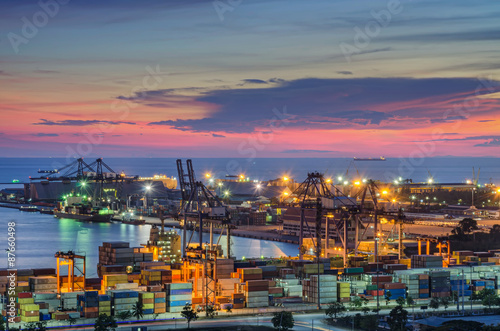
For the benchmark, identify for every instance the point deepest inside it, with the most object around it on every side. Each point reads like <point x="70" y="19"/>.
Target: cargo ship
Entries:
<point x="93" y="216"/>
<point x="369" y="159"/>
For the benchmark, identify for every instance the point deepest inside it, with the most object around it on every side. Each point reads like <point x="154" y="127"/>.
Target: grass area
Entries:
<point x="232" y="328"/>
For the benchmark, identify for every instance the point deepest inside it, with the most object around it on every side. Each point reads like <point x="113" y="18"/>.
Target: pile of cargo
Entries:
<point x="439" y="283"/>
<point x="104" y="304"/>
<point x="177" y="296"/>
<point x="291" y="287"/>
<point x="120" y="253"/>
<point x="327" y="285"/>
<point x="238" y="300"/>
<point x="396" y="290"/>
<point x="49" y="298"/>
<point x="29" y="312"/>
<point x="43" y="284"/>
<point x="110" y="280"/>
<point x="246" y="274"/>
<point x="69" y="300"/>
<point x="426" y="261"/>
<point x="343" y="292"/>
<point x="223" y="268"/>
<point x="88" y="304"/>
<point x="123" y="300"/>
<point x="256" y="293"/>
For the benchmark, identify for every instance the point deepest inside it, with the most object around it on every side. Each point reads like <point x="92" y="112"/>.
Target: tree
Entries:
<point x="495" y="229"/>
<point x="356" y="303"/>
<point x="410" y="303"/>
<point x="461" y="325"/>
<point x="434" y="304"/>
<point x="189" y="314"/>
<point x="334" y="309"/>
<point x="465" y="227"/>
<point x="365" y="310"/>
<point x="124" y="315"/>
<point x="388" y="296"/>
<point x="155" y="316"/>
<point x="400" y="301"/>
<point x="283" y="320"/>
<point x="105" y="323"/>
<point x="72" y="321"/>
<point x="369" y="322"/>
<point x="490" y="299"/>
<point x="2" y="324"/>
<point x="138" y="310"/>
<point x="445" y="301"/>
<point x="210" y="311"/>
<point x="36" y="326"/>
<point x="397" y="318"/>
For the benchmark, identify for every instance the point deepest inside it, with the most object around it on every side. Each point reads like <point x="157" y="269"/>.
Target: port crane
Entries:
<point x="200" y="206"/>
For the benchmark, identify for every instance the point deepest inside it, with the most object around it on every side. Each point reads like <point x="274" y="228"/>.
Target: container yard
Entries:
<point x="164" y="289"/>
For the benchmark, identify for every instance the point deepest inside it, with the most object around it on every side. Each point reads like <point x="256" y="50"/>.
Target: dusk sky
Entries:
<point x="249" y="78"/>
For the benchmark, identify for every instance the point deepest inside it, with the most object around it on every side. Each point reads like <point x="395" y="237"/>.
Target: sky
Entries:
<point x="249" y="78"/>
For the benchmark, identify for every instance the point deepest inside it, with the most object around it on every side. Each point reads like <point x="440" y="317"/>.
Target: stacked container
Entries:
<point x="43" y="284"/>
<point x="123" y="300"/>
<point x="238" y="300"/>
<point x="148" y="302"/>
<point x="69" y="300"/>
<point x="439" y="283"/>
<point x="88" y="304"/>
<point x="29" y="312"/>
<point x="327" y="288"/>
<point x="178" y="295"/>
<point x="257" y="293"/>
<point x="426" y="261"/>
<point x="105" y="304"/>
<point x="423" y="286"/>
<point x="343" y="291"/>
<point x="110" y="280"/>
<point x="160" y="302"/>
<point x="397" y="290"/>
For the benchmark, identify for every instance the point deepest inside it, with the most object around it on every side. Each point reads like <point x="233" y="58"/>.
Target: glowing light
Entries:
<point x="339" y="178"/>
<point x="328" y="180"/>
<point x="83" y="184"/>
<point x="285" y="178"/>
<point x="357" y="183"/>
<point x="220" y="184"/>
<point x="148" y="187"/>
<point x="364" y="180"/>
<point x="393" y="200"/>
<point x="346" y="182"/>
<point x="430" y="181"/>
<point x="384" y="192"/>
<point x="498" y="190"/>
<point x="285" y="193"/>
<point x="226" y="193"/>
<point x="258" y="186"/>
<point x="242" y="176"/>
<point x="208" y="175"/>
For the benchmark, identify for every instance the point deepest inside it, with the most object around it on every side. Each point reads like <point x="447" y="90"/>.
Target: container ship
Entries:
<point x="75" y="208"/>
<point x="369" y="159"/>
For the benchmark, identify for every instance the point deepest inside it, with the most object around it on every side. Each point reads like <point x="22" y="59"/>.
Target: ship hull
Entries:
<point x="85" y="217"/>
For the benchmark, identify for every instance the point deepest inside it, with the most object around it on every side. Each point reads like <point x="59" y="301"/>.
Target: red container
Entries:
<point x="24" y="295"/>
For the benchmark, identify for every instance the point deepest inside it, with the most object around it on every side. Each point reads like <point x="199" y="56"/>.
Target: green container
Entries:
<point x="371" y="287"/>
<point x="353" y="270"/>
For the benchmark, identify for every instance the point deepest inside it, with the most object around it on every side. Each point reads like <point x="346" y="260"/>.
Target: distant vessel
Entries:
<point x="369" y="159"/>
<point x="91" y="217"/>
<point x="28" y="208"/>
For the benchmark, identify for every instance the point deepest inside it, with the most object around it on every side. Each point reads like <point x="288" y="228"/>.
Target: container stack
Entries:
<point x="224" y="268"/>
<point x="123" y="300"/>
<point x="287" y="273"/>
<point x="153" y="276"/>
<point x="246" y="274"/>
<point x="343" y="292"/>
<point x="460" y="286"/>
<point x="104" y="304"/>
<point x="312" y="269"/>
<point x="426" y="261"/>
<point x="148" y="302"/>
<point x="43" y="284"/>
<point x="269" y="271"/>
<point x="397" y="290"/>
<point x="291" y="287"/>
<point x="177" y="296"/>
<point x="120" y="253"/>
<point x="412" y="283"/>
<point x="88" y="304"/>
<point x="29" y="312"/>
<point x="439" y="283"/>
<point x="69" y="300"/>
<point x="160" y="302"/>
<point x="226" y="286"/>
<point x="257" y="293"/>
<point x="110" y="280"/>
<point x="49" y="298"/>
<point x="327" y="287"/>
<point x="238" y="300"/>
<point x="44" y="311"/>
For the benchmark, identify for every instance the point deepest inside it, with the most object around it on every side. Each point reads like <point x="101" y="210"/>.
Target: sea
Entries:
<point x="39" y="237"/>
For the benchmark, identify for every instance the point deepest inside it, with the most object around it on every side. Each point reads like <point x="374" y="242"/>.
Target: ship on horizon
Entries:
<point x="369" y="158"/>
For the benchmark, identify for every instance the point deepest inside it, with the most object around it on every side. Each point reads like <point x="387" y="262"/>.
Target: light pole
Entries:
<point x="147" y="189"/>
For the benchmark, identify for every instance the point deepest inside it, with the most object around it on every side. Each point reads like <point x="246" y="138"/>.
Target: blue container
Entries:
<point x="423" y="295"/>
<point x="128" y="294"/>
<point x="479" y="283"/>
<point x="104" y="297"/>
<point x="160" y="300"/>
<point x="92" y="294"/>
<point x="44" y="317"/>
<point x="148" y="311"/>
<point x="424" y="286"/>
<point x="180" y="292"/>
<point x="178" y="303"/>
